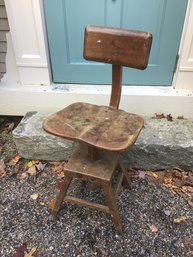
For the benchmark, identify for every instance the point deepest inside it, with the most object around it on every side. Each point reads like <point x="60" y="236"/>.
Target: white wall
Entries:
<point x="27" y="33"/>
<point x="26" y="86"/>
<point x="184" y="74"/>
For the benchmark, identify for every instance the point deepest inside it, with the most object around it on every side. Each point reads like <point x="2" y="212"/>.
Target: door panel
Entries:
<point x="66" y="20"/>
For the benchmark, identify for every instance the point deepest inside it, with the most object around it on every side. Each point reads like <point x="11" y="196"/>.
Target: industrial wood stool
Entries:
<point x="102" y="131"/>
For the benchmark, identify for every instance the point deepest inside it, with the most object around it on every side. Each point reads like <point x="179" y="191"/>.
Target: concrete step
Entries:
<point x="162" y="144"/>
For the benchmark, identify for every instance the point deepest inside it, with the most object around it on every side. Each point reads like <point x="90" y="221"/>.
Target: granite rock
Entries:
<point x="161" y="144"/>
<point x="33" y="142"/>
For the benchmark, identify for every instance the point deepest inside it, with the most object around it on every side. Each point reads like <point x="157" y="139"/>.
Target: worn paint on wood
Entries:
<point x="101" y="126"/>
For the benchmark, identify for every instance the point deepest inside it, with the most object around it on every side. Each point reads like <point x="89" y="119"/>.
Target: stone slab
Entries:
<point x="33" y="142"/>
<point x="162" y="144"/>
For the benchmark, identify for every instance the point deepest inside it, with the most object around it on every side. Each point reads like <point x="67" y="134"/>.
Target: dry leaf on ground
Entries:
<point x="167" y="212"/>
<point x="31" y="253"/>
<point x="57" y="166"/>
<point x="61" y="175"/>
<point x="42" y="204"/>
<point x="180" y="219"/>
<point x="153" y="228"/>
<point x="152" y="174"/>
<point x="34" y="196"/>
<point x="32" y="171"/>
<point x="2" y="168"/>
<point x="15" y="159"/>
<point x="24" y="176"/>
<point x="142" y="174"/>
<point x="169" y="117"/>
<point x="40" y="166"/>
<point x="159" y="116"/>
<point x="176" y="180"/>
<point x="20" y="250"/>
<point x="31" y="163"/>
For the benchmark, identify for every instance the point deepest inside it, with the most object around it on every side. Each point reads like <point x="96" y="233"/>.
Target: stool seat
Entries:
<point x="103" y="127"/>
<point x="82" y="166"/>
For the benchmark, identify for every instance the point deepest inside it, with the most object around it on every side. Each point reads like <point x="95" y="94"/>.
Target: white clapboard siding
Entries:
<point x="4" y="27"/>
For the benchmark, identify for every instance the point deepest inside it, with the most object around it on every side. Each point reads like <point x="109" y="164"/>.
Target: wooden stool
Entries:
<point x="102" y="131"/>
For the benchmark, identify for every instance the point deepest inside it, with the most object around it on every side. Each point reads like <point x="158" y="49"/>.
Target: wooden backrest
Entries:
<point x="119" y="47"/>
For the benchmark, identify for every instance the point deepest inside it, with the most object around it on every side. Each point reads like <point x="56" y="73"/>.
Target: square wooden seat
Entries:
<point x="102" y="131"/>
<point x="99" y="126"/>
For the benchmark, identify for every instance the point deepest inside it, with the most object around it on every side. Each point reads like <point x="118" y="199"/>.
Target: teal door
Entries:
<point x="66" y="20"/>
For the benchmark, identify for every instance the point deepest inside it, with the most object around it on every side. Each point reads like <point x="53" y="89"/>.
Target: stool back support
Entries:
<point x="119" y="47"/>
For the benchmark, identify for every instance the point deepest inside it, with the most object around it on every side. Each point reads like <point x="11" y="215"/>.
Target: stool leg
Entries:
<point x="126" y="179"/>
<point x="112" y="206"/>
<point x="61" y="195"/>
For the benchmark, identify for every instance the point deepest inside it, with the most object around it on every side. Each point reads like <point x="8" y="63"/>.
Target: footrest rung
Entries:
<point x="86" y="203"/>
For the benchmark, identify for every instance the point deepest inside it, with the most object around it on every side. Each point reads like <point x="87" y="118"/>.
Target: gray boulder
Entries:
<point x="161" y="144"/>
<point x="33" y="142"/>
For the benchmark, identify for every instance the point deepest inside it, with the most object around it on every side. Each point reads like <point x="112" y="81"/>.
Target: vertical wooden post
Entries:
<point x="116" y="86"/>
<point x="93" y="153"/>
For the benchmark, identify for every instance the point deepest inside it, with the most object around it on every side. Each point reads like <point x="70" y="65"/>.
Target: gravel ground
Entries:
<point x="147" y="212"/>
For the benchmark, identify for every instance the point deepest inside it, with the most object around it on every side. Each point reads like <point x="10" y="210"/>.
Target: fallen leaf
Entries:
<point x="180" y="219"/>
<point x="31" y="163"/>
<point x="142" y="174"/>
<point x="24" y="176"/>
<point x="34" y="196"/>
<point x="32" y="171"/>
<point x="2" y="168"/>
<point x="58" y="166"/>
<point x="15" y="159"/>
<point x="159" y="116"/>
<point x="42" y="203"/>
<point x="40" y="166"/>
<point x="167" y="212"/>
<point x="61" y="175"/>
<point x="153" y="228"/>
<point x="31" y="253"/>
<point x="168" y="181"/>
<point x="187" y="189"/>
<point x="152" y="174"/>
<point x="169" y="117"/>
<point x="20" y="250"/>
